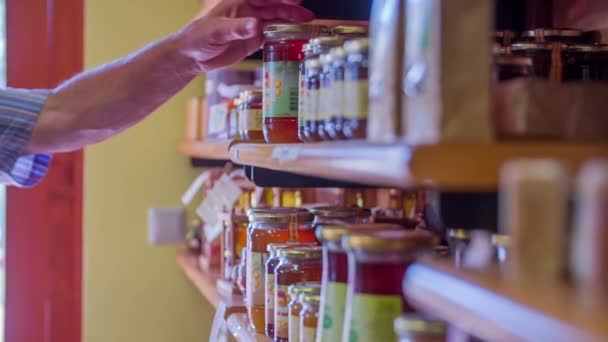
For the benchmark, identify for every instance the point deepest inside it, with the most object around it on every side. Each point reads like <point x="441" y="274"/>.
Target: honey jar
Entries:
<point x="295" y="306"/>
<point x="309" y="316"/>
<point x="419" y="328"/>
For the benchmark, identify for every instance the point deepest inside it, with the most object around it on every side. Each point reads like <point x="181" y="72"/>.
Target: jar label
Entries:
<point x="281" y="88"/>
<point x="309" y="334"/>
<point x="373" y="316"/>
<point x="294" y="327"/>
<point x="312" y="113"/>
<point x="356" y="95"/>
<point x="303" y="101"/>
<point x="325" y="104"/>
<point x="255" y="278"/>
<point x="251" y="120"/>
<point x="281" y="311"/>
<point x="218" y="115"/>
<point x="337" y="96"/>
<point x="331" y="323"/>
<point x="269" y="299"/>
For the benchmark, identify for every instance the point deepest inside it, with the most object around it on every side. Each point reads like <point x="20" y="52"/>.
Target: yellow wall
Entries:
<point x="134" y="292"/>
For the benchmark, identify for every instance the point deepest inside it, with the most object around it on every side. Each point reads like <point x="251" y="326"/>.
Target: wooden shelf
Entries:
<point x="467" y="167"/>
<point x="205" y="283"/>
<point x="238" y="324"/>
<point x="483" y="304"/>
<point x="217" y="150"/>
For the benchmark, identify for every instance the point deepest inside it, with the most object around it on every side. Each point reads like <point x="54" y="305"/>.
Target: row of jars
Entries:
<point x="360" y="267"/>
<point x="554" y="54"/>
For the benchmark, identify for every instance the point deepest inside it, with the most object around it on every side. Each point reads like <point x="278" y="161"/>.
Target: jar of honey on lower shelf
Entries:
<point x="298" y="264"/>
<point x="309" y="317"/>
<point x="267" y="226"/>
<point x="295" y="306"/>
<point x="418" y="328"/>
<point x="377" y="264"/>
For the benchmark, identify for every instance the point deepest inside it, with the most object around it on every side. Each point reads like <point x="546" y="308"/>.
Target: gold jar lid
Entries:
<point x="512" y="60"/>
<point x="360" y="45"/>
<point x="251" y="95"/>
<point x="349" y="30"/>
<point x="274" y="247"/>
<point x="501" y="240"/>
<point x="325" y="42"/>
<point x="417" y="324"/>
<point x="532" y="47"/>
<point x="335" y="232"/>
<point x="338" y="53"/>
<point x="340" y="212"/>
<point x="390" y="240"/>
<point x="457" y="233"/>
<point x="313" y="287"/>
<point x="312" y="64"/>
<point x="301" y="253"/>
<point x="278" y="31"/>
<point x="310" y="298"/>
<point x="279" y="215"/>
<point x="552" y="32"/>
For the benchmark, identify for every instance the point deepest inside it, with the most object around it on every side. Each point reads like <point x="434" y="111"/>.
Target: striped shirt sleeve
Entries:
<point x="19" y="111"/>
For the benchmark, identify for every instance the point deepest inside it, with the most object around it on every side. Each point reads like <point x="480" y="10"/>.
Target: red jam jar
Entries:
<point x="282" y="57"/>
<point x="297" y="265"/>
<point x="377" y="263"/>
<point x="268" y="226"/>
<point x="335" y="275"/>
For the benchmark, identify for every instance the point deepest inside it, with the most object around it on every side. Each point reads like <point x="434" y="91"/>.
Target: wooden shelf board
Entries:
<point x="205" y="283"/>
<point x="206" y="149"/>
<point x="468" y="167"/>
<point x="485" y="305"/>
<point x="238" y="324"/>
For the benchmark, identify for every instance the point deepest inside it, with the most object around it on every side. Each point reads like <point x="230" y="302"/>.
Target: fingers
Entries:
<point x="235" y="52"/>
<point x="227" y="30"/>
<point x="278" y="12"/>
<point x="262" y="3"/>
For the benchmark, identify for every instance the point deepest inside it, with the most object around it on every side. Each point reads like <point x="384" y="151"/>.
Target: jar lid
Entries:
<point x="338" y="53"/>
<point x="531" y="46"/>
<point x="418" y="324"/>
<point x="310" y="298"/>
<point x="501" y="240"/>
<point x="356" y="46"/>
<point x="340" y="212"/>
<point x="240" y="218"/>
<point x="458" y="233"/>
<point x="250" y="95"/>
<point x="347" y="30"/>
<point x="312" y="64"/>
<point x="325" y="42"/>
<point x="587" y="48"/>
<point x="301" y="253"/>
<point x="335" y="232"/>
<point x="279" y="215"/>
<point x="389" y="240"/>
<point x="513" y="60"/>
<point x="313" y="287"/>
<point x="276" y="246"/>
<point x="277" y="31"/>
<point x="552" y="32"/>
<point x="503" y="34"/>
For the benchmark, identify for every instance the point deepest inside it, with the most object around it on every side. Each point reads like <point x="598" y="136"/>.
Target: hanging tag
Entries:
<point x="195" y="187"/>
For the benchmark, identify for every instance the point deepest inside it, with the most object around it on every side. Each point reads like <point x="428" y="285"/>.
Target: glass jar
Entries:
<point x="325" y="96"/>
<point x="458" y="240"/>
<point x="356" y="89"/>
<point x="553" y="35"/>
<point x="235" y="238"/>
<point x="586" y="63"/>
<point x="250" y="117"/>
<point x="233" y="127"/>
<point x="313" y="87"/>
<point x="508" y="67"/>
<point x="547" y="58"/>
<point x="282" y="57"/>
<point x="418" y="328"/>
<point x="501" y="245"/>
<point x="241" y="276"/>
<point x="303" y="99"/>
<point x="270" y="226"/>
<point x="298" y="264"/>
<point x="377" y="263"/>
<point x="309" y="316"/>
<point x="335" y="275"/>
<point x="349" y="31"/>
<point x="295" y="306"/>
<point x="271" y="264"/>
<point x="328" y="215"/>
<point x="333" y="126"/>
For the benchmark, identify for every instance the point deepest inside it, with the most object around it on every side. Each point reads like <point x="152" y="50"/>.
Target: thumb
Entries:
<point x="226" y="30"/>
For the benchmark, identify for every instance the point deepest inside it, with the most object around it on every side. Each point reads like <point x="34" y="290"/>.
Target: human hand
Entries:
<point x="233" y="29"/>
